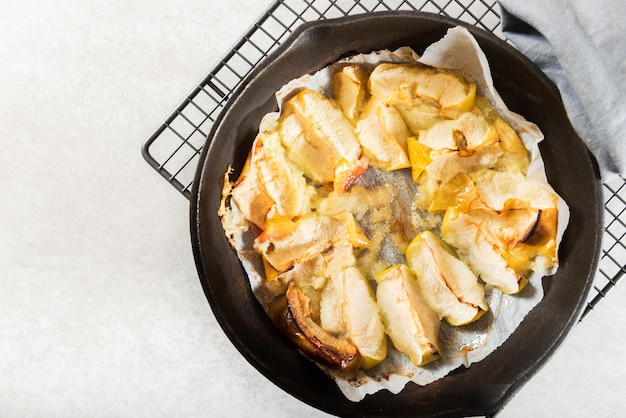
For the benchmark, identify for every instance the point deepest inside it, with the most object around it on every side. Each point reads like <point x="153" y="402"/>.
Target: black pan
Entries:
<point x="485" y="387"/>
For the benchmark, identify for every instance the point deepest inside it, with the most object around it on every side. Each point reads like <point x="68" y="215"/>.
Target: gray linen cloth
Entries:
<point x="581" y="46"/>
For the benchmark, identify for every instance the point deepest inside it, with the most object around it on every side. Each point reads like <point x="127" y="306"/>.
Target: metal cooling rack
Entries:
<point x="173" y="150"/>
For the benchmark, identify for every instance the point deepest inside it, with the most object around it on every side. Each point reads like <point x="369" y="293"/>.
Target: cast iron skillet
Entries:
<point x="485" y="387"/>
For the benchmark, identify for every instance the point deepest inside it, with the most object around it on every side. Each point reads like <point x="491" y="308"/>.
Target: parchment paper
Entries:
<point x="461" y="346"/>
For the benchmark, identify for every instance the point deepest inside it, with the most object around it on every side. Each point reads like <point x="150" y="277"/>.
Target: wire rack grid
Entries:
<point x="174" y="148"/>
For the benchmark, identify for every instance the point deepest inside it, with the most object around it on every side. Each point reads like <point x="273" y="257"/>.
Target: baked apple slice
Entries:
<point x="350" y="90"/>
<point x="305" y="150"/>
<point x="249" y="195"/>
<point x="410" y="322"/>
<point x="448" y="285"/>
<point x="420" y="114"/>
<point x="327" y="130"/>
<point x="401" y="83"/>
<point x="458" y="192"/>
<point x="464" y="134"/>
<point x="419" y="156"/>
<point x="383" y="136"/>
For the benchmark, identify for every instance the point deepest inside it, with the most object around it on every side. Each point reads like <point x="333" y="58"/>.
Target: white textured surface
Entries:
<point x="101" y="311"/>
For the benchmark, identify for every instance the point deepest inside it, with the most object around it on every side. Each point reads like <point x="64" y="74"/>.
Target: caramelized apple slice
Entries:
<point x="498" y="188"/>
<point x="308" y="237"/>
<point x="538" y="250"/>
<point x="481" y="255"/>
<point x="348" y="307"/>
<point x="410" y="322"/>
<point x="292" y="315"/>
<point x="508" y="227"/>
<point x="544" y="229"/>
<point x="448" y="285"/>
<point x="521" y="234"/>
<point x="480" y="167"/>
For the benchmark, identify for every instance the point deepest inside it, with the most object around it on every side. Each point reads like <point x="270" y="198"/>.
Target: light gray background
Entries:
<point x="101" y="311"/>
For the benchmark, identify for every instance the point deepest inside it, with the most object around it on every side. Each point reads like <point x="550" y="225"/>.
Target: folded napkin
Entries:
<point x="581" y="46"/>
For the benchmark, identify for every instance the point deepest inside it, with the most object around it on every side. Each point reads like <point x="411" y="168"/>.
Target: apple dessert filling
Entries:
<point x="387" y="206"/>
